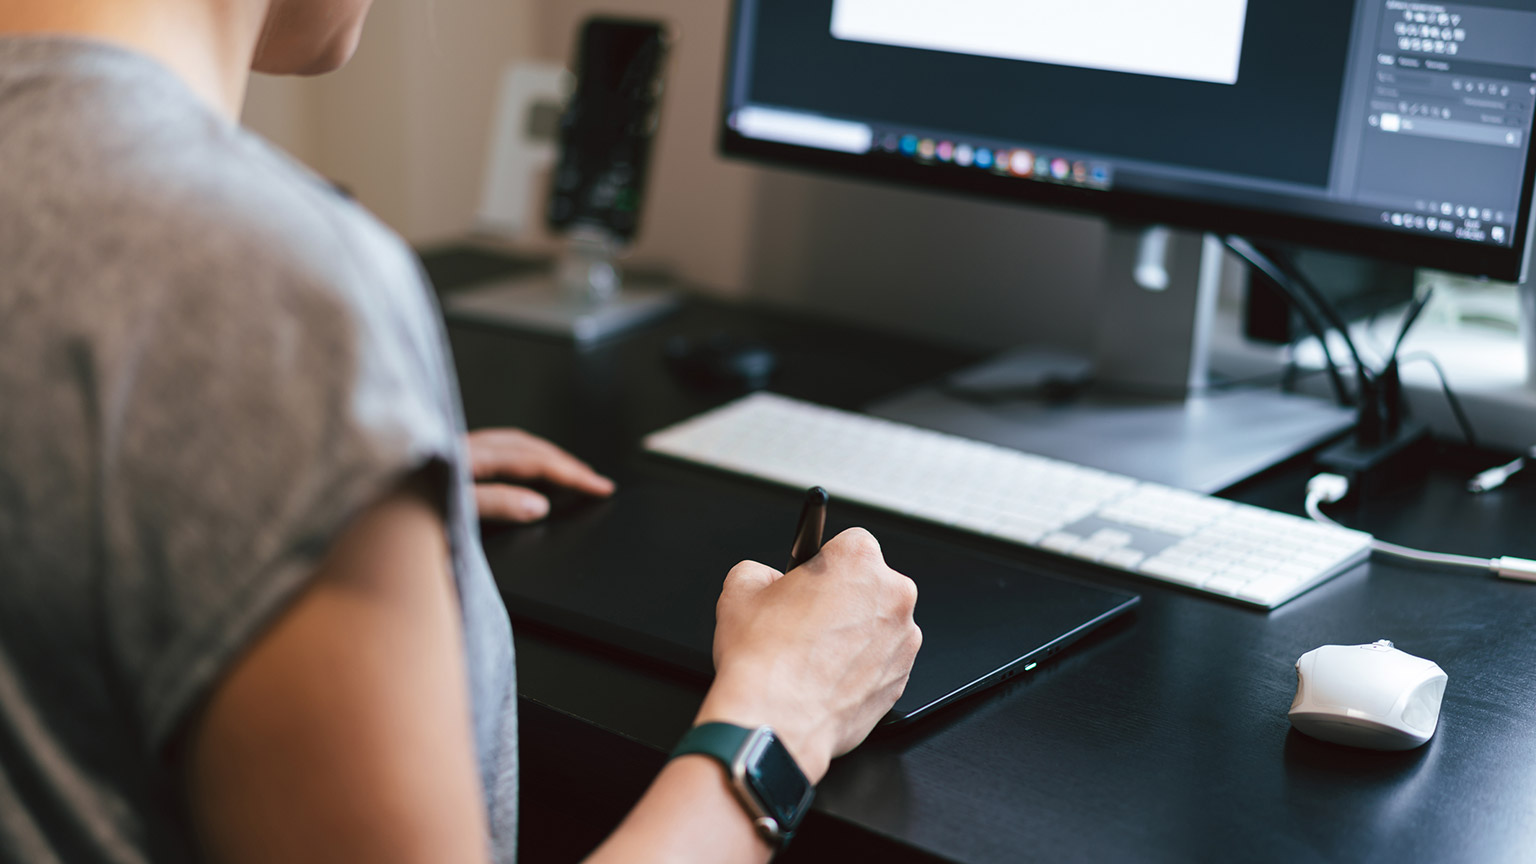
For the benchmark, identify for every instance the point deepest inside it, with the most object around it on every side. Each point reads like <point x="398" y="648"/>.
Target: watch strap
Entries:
<point x="719" y="740"/>
<point x="728" y="744"/>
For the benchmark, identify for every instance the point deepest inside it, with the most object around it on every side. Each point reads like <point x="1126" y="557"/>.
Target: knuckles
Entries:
<point x="914" y="642"/>
<point x="737" y="576"/>
<point x="906" y="593"/>
<point x="741" y="570"/>
<point x="857" y="543"/>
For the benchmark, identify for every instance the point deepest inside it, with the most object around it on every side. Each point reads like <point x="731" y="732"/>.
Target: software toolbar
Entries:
<point x="1449" y="115"/>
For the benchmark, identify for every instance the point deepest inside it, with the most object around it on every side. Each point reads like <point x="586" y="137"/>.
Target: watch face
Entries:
<point x="777" y="783"/>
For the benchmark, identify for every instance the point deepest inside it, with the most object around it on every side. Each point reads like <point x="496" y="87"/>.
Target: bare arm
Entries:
<point x="688" y="815"/>
<point x="344" y="733"/>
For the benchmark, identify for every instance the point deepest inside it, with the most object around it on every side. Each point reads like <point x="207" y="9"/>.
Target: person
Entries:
<point x="244" y="614"/>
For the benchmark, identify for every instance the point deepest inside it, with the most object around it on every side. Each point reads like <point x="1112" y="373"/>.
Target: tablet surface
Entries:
<point x="642" y="572"/>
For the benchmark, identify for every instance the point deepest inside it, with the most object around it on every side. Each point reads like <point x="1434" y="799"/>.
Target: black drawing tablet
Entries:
<point x="642" y="572"/>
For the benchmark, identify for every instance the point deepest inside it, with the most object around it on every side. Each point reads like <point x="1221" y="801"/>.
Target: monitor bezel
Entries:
<point x="1506" y="264"/>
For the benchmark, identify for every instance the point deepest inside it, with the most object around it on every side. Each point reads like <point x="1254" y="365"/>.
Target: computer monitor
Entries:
<point x="1386" y="128"/>
<point x="1390" y="129"/>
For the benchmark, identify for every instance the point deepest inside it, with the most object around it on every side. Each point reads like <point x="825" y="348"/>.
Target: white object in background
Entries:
<point x="1198" y="40"/>
<point x="524" y="142"/>
<point x="805" y="130"/>
<point x="1373" y="696"/>
<point x="1152" y="259"/>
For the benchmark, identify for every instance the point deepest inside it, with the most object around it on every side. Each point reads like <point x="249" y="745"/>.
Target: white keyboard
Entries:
<point x="1254" y="556"/>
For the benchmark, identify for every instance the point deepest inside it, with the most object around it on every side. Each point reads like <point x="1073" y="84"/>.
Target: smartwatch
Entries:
<point x="764" y="777"/>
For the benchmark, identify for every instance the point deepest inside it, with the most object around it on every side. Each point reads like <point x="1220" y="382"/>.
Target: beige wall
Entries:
<point x="282" y="110"/>
<point x="405" y="127"/>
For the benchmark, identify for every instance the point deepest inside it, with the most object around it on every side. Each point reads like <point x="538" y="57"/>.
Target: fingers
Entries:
<point x="500" y="503"/>
<point x="855" y="542"/>
<point x="748" y="578"/>
<point x="914" y="644"/>
<point x="898" y="674"/>
<point x="516" y="455"/>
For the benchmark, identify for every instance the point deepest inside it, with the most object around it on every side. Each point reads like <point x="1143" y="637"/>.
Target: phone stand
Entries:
<point x="583" y="299"/>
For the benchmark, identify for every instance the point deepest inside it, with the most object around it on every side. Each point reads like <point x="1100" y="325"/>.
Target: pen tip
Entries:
<point x="817" y="494"/>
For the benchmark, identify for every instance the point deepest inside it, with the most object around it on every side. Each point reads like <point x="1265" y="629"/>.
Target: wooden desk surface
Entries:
<point x="1163" y="738"/>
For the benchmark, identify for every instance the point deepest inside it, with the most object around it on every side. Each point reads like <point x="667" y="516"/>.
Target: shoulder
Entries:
<point x="242" y="274"/>
<point x="133" y="209"/>
<point x="235" y="331"/>
<point x="245" y="360"/>
<point x="117" y="175"/>
<point x="281" y="367"/>
<point x="222" y="312"/>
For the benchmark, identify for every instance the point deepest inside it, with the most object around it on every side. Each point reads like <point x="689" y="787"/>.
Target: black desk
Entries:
<point x="1163" y="738"/>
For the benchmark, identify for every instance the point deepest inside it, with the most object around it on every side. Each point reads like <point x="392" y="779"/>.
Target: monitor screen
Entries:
<point x="1387" y="128"/>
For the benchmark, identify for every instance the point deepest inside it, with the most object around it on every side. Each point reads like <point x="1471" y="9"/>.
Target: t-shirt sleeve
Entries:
<point x="242" y="430"/>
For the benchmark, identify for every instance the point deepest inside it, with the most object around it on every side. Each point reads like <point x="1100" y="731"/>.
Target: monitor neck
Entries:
<point x="1157" y="307"/>
<point x="1528" y="330"/>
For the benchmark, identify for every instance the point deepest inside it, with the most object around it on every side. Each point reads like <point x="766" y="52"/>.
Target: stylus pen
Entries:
<point x="813" y="518"/>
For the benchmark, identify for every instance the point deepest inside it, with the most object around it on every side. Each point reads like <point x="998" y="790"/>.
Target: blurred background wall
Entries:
<point x="406" y="128"/>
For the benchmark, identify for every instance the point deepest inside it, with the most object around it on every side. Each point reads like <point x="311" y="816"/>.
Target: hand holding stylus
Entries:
<point x="820" y="653"/>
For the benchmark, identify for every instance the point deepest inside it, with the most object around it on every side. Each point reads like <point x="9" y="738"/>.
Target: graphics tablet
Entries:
<point x="642" y="572"/>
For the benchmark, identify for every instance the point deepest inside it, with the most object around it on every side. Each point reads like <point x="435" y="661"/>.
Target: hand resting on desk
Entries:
<point x="512" y="454"/>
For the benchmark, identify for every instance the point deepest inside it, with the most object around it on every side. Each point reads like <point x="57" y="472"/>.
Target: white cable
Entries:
<point x="1493" y="478"/>
<point x="1328" y="488"/>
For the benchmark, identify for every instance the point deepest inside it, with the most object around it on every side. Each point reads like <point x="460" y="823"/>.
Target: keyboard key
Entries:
<point x="1269" y="590"/>
<point x="1091" y="551"/>
<point x="1061" y="541"/>
<point x="1111" y="537"/>
<point x="1226" y="584"/>
<point x="1184" y="574"/>
<point x="1126" y="559"/>
<point x="1244" y="575"/>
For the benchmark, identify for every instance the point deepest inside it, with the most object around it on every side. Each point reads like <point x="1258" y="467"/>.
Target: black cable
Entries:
<point x="1408" y="322"/>
<point x="1390" y="379"/>
<point x="1450" y="395"/>
<point x="1263" y="265"/>
<point x="1301" y="280"/>
<point x="1267" y="268"/>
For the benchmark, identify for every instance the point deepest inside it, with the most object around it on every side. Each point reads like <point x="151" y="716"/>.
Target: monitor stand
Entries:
<point x="1150" y="412"/>
<point x="1528" y="330"/>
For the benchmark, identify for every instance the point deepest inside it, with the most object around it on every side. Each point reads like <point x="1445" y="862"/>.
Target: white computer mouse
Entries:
<point x="1371" y="696"/>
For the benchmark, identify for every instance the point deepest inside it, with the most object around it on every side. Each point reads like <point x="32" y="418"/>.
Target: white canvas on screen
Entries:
<point x="1196" y="40"/>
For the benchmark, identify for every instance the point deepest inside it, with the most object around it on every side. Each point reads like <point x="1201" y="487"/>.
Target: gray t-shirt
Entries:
<point x="211" y="363"/>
